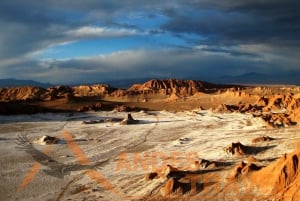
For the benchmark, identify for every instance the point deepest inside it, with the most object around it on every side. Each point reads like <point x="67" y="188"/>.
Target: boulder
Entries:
<point x="46" y="140"/>
<point x="236" y="149"/>
<point x="129" y="120"/>
<point x="264" y="138"/>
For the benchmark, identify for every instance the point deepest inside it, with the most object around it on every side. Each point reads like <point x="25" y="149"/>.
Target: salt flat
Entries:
<point x="160" y="138"/>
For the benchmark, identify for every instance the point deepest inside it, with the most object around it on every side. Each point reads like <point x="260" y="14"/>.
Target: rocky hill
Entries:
<point x="165" y="87"/>
<point x="277" y="106"/>
<point x="28" y="93"/>
<point x="21" y="93"/>
<point x="175" y="86"/>
<point x="280" y="179"/>
<point x="278" y="110"/>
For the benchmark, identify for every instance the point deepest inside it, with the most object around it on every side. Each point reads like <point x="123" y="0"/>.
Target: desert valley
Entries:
<point x="160" y="140"/>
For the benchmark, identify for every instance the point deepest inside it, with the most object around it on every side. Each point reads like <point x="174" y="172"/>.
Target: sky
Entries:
<point x="75" y="41"/>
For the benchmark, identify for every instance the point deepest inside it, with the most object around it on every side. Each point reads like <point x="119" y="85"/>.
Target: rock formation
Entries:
<point x="93" y="107"/>
<point x="243" y="169"/>
<point x="52" y="93"/>
<point x="276" y="110"/>
<point x="98" y="90"/>
<point x="237" y="149"/>
<point x="262" y="139"/>
<point x="21" y="93"/>
<point x="278" y="107"/>
<point x="172" y="186"/>
<point x="129" y="120"/>
<point x="174" y="86"/>
<point x="121" y="108"/>
<point x="280" y="179"/>
<point x="46" y="140"/>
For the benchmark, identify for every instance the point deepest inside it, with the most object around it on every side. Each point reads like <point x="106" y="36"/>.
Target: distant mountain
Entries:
<point x="16" y="83"/>
<point x="260" y="78"/>
<point x="248" y="78"/>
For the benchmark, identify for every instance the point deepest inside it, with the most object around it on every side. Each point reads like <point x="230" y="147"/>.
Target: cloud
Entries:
<point x="229" y="50"/>
<point x="93" y="31"/>
<point x="224" y="37"/>
<point x="164" y="63"/>
<point x="236" y="22"/>
<point x="31" y="26"/>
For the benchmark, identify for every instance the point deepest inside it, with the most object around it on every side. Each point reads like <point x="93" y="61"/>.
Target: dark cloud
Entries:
<point x="235" y="22"/>
<point x="230" y="52"/>
<point x="180" y="63"/>
<point x="229" y="37"/>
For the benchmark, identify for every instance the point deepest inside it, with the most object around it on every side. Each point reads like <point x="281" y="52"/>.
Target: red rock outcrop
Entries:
<point x="119" y="93"/>
<point x="52" y="93"/>
<point x="276" y="110"/>
<point x="264" y="138"/>
<point x="174" y="86"/>
<point x="94" y="107"/>
<point x="280" y="179"/>
<point x="172" y="186"/>
<point x="237" y="149"/>
<point x="160" y="87"/>
<point x="287" y="101"/>
<point x="21" y="93"/>
<point x="243" y="169"/>
<point x="278" y="120"/>
<point x="121" y="108"/>
<point x="241" y="108"/>
<point x="91" y="91"/>
<point x="295" y="115"/>
<point x="57" y="92"/>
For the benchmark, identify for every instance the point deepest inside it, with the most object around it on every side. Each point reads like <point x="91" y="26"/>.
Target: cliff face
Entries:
<point x="173" y="86"/>
<point x="281" y="178"/>
<point x="36" y="93"/>
<point x="163" y="87"/>
<point x="278" y="110"/>
<point x="21" y="93"/>
<point x="90" y="91"/>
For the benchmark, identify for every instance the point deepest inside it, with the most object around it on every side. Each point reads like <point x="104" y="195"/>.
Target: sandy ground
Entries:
<point x="125" y="153"/>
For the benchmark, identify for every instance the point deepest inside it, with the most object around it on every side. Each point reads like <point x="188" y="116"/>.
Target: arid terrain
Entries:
<point x="160" y="140"/>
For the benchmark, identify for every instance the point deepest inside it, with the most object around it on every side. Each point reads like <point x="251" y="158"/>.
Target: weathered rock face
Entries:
<point x="237" y="149"/>
<point x="242" y="108"/>
<point x="242" y="169"/>
<point x="93" y="107"/>
<point x="281" y="178"/>
<point x="287" y="102"/>
<point x="264" y="138"/>
<point x="57" y="92"/>
<point x="91" y="91"/>
<point x="21" y="93"/>
<point x="172" y="86"/>
<point x="160" y="87"/>
<point x="276" y="110"/>
<point x="52" y="93"/>
<point x="121" y="108"/>
<point x="278" y="120"/>
<point x="118" y="93"/>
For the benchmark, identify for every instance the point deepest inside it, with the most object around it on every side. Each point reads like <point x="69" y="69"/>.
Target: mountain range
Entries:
<point x="16" y="83"/>
<point x="260" y="78"/>
<point x="248" y="78"/>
